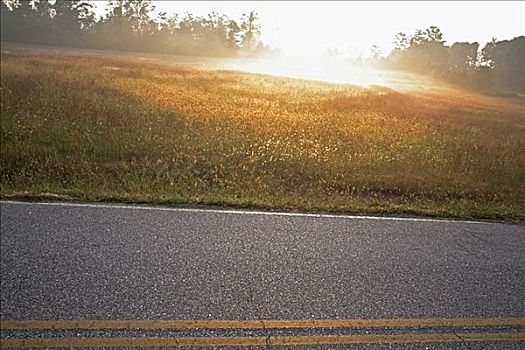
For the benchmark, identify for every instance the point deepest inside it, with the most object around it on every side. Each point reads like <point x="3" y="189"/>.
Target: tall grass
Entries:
<point x="103" y="128"/>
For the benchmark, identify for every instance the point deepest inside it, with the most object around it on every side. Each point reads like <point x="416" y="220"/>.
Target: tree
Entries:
<point x="433" y="34"/>
<point x="137" y="13"/>
<point x="462" y="56"/>
<point x="85" y="15"/>
<point x="126" y="25"/>
<point x="375" y="52"/>
<point x="250" y="30"/>
<point x="401" y="42"/>
<point x="21" y="22"/>
<point x="487" y="53"/>
<point x="73" y="15"/>
<point x="508" y="68"/>
<point x="232" y="37"/>
<point x="424" y="51"/>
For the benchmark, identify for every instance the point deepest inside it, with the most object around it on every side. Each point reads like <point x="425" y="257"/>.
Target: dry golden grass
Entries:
<point x="103" y="128"/>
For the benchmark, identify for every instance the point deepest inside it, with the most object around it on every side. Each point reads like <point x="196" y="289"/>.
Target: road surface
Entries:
<point x="87" y="275"/>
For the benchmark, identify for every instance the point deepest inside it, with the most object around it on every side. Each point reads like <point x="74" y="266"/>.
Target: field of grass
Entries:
<point x="97" y="127"/>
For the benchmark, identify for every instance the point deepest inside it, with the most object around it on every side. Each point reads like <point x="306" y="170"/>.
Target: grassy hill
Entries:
<point x="101" y="127"/>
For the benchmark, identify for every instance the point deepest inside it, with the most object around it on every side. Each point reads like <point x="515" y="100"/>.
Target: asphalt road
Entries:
<point x="117" y="262"/>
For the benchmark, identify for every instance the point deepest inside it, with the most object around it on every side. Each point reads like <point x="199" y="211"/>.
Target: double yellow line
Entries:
<point x="263" y="324"/>
<point x="434" y="337"/>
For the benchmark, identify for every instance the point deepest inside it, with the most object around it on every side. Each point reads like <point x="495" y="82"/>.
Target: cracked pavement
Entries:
<point x="113" y="262"/>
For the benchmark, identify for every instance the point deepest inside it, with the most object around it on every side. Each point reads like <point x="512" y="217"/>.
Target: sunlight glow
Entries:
<point x="328" y="70"/>
<point x="323" y="40"/>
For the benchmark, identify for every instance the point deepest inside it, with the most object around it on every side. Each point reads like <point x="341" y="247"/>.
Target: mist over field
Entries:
<point x="135" y="26"/>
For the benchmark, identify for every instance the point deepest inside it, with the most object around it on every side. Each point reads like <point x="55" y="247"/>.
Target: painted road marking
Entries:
<point x="239" y="212"/>
<point x="261" y="324"/>
<point x="261" y="341"/>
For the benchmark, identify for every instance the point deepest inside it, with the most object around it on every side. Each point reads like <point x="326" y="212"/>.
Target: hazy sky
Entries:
<point x="353" y="27"/>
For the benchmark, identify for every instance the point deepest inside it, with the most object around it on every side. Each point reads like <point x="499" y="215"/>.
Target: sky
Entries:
<point x="311" y="28"/>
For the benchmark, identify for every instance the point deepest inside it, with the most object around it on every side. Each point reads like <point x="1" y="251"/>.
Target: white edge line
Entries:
<point x="237" y="212"/>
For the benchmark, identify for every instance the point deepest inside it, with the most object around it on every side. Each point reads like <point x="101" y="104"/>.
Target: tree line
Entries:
<point x="499" y="65"/>
<point x="129" y="25"/>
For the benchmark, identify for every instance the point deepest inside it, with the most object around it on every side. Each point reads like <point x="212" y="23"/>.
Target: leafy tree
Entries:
<point x="487" y="53"/>
<point x="85" y="15"/>
<point x="137" y="13"/>
<point x="250" y="30"/>
<point x="433" y="34"/>
<point x="424" y="51"/>
<point x="462" y="56"/>
<point x="508" y="68"/>
<point x="401" y="42"/>
<point x="234" y="31"/>
<point x="73" y="15"/>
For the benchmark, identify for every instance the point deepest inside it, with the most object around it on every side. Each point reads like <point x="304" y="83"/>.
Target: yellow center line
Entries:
<point x="261" y="341"/>
<point x="260" y="324"/>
